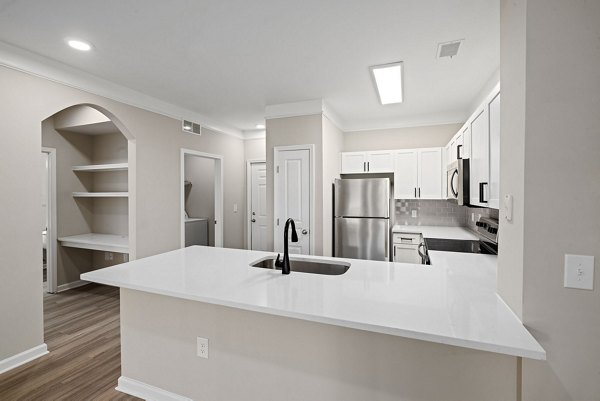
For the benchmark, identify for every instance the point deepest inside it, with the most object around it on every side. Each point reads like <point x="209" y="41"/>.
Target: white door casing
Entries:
<point x="293" y="196"/>
<point x="51" y="232"/>
<point x="258" y="207"/>
<point x="218" y="193"/>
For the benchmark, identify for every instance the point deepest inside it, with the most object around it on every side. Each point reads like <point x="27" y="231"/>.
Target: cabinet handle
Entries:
<point x="419" y="192"/>
<point x="481" y="192"/>
<point x="415" y="192"/>
<point x="368" y="166"/>
<point x="458" y="155"/>
<point x="365" y="167"/>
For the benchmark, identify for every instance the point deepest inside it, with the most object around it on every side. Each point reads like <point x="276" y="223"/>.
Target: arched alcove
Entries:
<point x="89" y="214"/>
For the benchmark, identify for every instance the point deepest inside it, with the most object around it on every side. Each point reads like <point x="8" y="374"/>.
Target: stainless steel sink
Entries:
<point x="305" y="265"/>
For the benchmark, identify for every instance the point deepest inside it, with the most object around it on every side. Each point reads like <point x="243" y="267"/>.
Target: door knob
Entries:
<point x="304" y="232"/>
<point x="253" y="220"/>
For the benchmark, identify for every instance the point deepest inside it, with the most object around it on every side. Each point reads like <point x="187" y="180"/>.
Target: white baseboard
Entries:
<point x="22" y="358"/>
<point x="71" y="285"/>
<point x="146" y="391"/>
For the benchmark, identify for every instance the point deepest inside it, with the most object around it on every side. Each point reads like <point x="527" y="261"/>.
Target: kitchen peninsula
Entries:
<point x="380" y="331"/>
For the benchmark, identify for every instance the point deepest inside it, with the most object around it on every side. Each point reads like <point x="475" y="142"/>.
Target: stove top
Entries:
<point x="464" y="246"/>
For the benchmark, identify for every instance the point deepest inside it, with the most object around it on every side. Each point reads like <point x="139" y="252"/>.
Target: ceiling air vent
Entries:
<point x="448" y="49"/>
<point x="191" y="127"/>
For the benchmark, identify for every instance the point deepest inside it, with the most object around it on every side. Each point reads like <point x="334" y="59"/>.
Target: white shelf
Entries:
<point x="97" y="242"/>
<point x="102" y="167"/>
<point x="100" y="194"/>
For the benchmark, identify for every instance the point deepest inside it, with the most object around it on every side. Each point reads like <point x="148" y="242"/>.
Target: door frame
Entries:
<point x="51" y="234"/>
<point x="218" y="193"/>
<point x="249" y="164"/>
<point x="276" y="190"/>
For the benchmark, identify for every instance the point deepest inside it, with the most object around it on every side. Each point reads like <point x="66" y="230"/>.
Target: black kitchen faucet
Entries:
<point x="285" y="264"/>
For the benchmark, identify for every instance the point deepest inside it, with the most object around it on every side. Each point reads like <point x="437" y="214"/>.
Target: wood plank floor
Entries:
<point x="82" y="333"/>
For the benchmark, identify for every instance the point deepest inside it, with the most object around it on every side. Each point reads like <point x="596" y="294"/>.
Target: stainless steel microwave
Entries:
<point x="457" y="180"/>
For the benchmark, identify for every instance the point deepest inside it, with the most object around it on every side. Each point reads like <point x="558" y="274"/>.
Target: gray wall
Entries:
<point x="297" y="131"/>
<point x="556" y="115"/>
<point x="333" y="141"/>
<point x="200" y="197"/>
<point x="400" y="138"/>
<point x="278" y="358"/>
<point x="154" y="155"/>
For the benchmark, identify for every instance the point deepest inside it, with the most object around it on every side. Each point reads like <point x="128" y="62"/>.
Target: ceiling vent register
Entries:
<point x="191" y="127"/>
<point x="449" y="49"/>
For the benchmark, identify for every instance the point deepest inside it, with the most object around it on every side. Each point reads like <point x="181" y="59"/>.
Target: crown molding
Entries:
<point x="254" y="134"/>
<point x="34" y="64"/>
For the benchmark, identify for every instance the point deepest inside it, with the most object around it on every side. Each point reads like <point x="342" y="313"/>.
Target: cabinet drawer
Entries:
<point x="406" y="238"/>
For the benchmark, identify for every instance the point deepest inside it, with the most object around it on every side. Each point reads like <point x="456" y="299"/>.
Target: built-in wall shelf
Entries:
<point x="97" y="242"/>
<point x="100" y="194"/>
<point x="102" y="167"/>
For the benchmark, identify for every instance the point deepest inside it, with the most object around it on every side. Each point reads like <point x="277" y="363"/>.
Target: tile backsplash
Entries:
<point x="438" y="213"/>
<point x="472" y="215"/>
<point x="429" y="213"/>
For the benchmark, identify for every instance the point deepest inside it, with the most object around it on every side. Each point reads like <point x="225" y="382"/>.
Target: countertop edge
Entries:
<point x="423" y="336"/>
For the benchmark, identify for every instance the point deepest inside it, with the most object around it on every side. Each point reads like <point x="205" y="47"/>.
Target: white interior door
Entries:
<point x="292" y="198"/>
<point x="258" y="207"/>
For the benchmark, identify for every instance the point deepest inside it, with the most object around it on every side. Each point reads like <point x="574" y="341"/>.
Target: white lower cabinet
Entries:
<point x="418" y="174"/>
<point x="406" y="247"/>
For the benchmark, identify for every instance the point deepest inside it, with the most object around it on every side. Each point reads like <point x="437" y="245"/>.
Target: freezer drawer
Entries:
<point x="362" y="238"/>
<point x="367" y="197"/>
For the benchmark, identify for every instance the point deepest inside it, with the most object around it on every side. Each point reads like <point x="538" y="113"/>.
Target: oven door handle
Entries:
<point x="424" y="256"/>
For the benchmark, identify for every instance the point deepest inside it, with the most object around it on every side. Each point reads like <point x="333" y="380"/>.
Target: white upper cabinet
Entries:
<point x="480" y="140"/>
<point x="354" y="162"/>
<point x="430" y="173"/>
<point x="418" y="174"/>
<point x="380" y="161"/>
<point x="406" y="174"/>
<point x="494" y="117"/>
<point x="480" y="159"/>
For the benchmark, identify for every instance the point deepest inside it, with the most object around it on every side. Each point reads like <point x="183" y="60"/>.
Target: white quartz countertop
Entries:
<point x="462" y="233"/>
<point x="453" y="301"/>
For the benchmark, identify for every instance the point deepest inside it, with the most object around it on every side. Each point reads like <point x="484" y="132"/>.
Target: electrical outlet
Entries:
<point x="235" y="208"/>
<point x="414" y="213"/>
<point x="579" y="272"/>
<point x="125" y="257"/>
<point x="108" y="256"/>
<point x="202" y="347"/>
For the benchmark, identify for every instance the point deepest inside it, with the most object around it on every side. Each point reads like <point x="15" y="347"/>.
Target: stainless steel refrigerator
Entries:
<point x="361" y="218"/>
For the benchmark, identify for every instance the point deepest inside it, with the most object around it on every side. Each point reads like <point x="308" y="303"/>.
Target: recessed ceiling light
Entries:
<point x="260" y="126"/>
<point x="79" y="45"/>
<point x="388" y="79"/>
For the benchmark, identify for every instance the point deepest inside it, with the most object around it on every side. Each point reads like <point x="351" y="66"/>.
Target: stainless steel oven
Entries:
<point x="457" y="180"/>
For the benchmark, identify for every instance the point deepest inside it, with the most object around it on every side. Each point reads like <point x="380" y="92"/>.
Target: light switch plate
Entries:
<point x="579" y="272"/>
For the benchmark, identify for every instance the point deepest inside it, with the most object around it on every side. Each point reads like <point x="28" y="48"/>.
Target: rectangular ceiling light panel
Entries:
<point x="388" y="79"/>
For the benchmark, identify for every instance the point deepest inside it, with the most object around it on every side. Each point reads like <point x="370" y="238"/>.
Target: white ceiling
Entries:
<point x="230" y="59"/>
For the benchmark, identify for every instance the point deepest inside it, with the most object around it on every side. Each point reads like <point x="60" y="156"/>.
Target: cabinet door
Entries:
<point x="430" y="173"/>
<point x="380" y="162"/>
<point x="494" y="116"/>
<point x="406" y="254"/>
<point x="459" y="151"/>
<point x="465" y="150"/>
<point x="480" y="160"/>
<point x="406" y="174"/>
<point x="354" y="162"/>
